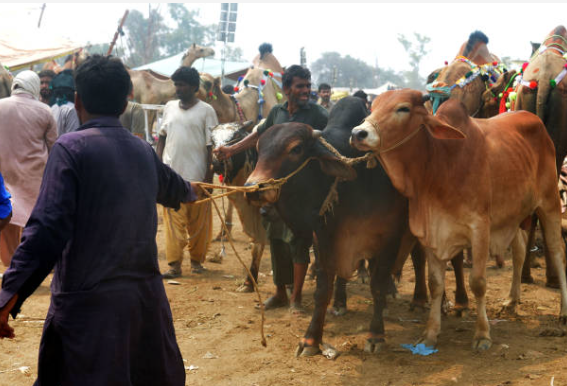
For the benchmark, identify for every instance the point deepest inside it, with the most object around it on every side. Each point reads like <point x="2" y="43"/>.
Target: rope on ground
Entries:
<point x="263" y="340"/>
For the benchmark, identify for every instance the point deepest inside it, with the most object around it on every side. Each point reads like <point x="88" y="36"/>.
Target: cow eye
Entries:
<point x="296" y="150"/>
<point x="404" y="109"/>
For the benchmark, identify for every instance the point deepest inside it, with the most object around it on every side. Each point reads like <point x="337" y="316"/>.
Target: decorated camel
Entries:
<point x="473" y="71"/>
<point x="5" y="82"/>
<point x="541" y="89"/>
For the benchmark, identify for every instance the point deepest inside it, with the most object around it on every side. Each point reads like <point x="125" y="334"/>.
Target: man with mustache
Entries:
<point x="289" y="258"/>
<point x="185" y="145"/>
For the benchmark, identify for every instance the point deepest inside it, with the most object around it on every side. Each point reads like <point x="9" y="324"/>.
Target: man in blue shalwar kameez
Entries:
<point x="94" y="224"/>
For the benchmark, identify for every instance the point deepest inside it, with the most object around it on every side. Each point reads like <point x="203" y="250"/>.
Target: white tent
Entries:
<point x="25" y="50"/>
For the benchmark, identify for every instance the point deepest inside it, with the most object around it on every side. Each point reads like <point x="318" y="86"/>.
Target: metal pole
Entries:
<point x="41" y="15"/>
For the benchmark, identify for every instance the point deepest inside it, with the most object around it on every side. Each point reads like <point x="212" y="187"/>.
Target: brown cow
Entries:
<point x="470" y="183"/>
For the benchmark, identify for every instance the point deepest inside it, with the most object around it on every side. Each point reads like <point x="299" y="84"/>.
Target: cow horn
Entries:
<point x="317" y="134"/>
<point x="426" y="97"/>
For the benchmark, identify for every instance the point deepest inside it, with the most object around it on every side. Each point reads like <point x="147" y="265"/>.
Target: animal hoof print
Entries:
<point x="374" y="345"/>
<point x="482" y="344"/>
<point x="307" y="351"/>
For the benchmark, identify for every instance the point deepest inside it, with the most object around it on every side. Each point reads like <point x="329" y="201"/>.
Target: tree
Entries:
<point x="350" y="72"/>
<point x="345" y="72"/>
<point x="145" y="36"/>
<point x="187" y="30"/>
<point x="416" y="50"/>
<point x="234" y="54"/>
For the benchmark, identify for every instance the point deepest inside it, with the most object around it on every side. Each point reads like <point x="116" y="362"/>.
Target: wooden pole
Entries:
<point x="117" y="33"/>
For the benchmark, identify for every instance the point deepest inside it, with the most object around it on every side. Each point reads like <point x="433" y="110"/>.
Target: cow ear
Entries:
<point x="332" y="165"/>
<point x="442" y="130"/>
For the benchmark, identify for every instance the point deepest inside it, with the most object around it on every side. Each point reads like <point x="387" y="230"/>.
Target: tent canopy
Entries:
<point x="25" y="50"/>
<point x="211" y="66"/>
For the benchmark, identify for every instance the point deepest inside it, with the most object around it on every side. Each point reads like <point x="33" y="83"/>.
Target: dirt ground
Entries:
<point x="218" y="331"/>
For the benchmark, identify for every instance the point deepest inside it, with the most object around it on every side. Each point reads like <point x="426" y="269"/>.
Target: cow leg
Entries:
<point x="526" y="269"/>
<point x="379" y="282"/>
<point x="228" y="221"/>
<point x="420" y="288"/>
<point x="461" y="297"/>
<point x="477" y="282"/>
<point x="340" y="302"/>
<point x="518" y="255"/>
<point x="257" y="251"/>
<point x="309" y="345"/>
<point x="550" y="220"/>
<point x="437" y="270"/>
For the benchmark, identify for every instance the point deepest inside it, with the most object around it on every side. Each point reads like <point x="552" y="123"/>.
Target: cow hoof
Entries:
<point x="307" y="351"/>
<point x="338" y="311"/>
<point x="509" y="307"/>
<point x="418" y="306"/>
<point x="374" y="345"/>
<point x="427" y="342"/>
<point x="527" y="280"/>
<point x="461" y="312"/>
<point x="482" y="344"/>
<point x="245" y="288"/>
<point x="552" y="282"/>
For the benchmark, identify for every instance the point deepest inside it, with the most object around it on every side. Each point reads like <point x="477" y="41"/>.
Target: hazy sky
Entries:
<point x="365" y="31"/>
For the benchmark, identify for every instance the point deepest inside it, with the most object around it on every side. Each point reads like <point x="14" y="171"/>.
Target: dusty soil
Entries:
<point x="218" y="331"/>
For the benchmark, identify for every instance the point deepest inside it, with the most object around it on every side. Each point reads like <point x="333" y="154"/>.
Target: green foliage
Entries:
<point x="145" y="36"/>
<point x="347" y="71"/>
<point x="416" y="50"/>
<point x="152" y="38"/>
<point x="187" y="30"/>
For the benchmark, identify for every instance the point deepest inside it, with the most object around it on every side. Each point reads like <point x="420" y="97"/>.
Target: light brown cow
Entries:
<point x="470" y="183"/>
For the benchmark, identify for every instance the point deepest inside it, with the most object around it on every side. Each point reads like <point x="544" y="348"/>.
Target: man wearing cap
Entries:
<point x="27" y="132"/>
<point x="62" y="106"/>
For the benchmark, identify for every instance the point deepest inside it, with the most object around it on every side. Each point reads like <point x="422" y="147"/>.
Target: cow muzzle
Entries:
<point x="261" y="197"/>
<point x="364" y="137"/>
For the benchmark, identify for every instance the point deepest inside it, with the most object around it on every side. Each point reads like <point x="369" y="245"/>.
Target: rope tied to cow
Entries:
<point x="277" y="183"/>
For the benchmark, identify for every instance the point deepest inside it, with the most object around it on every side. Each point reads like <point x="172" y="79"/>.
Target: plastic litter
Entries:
<point x="420" y="349"/>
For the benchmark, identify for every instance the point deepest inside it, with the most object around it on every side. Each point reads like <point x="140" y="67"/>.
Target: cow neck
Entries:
<point x="405" y="166"/>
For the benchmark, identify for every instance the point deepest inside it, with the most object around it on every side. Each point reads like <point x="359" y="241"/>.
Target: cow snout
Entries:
<point x="261" y="197"/>
<point x="363" y="137"/>
<point x="360" y="134"/>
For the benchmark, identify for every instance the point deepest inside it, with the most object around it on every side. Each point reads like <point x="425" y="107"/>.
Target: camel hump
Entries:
<point x="557" y="37"/>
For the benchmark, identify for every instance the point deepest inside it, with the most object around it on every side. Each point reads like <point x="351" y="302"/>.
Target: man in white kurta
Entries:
<point x="27" y="132"/>
<point x="185" y="145"/>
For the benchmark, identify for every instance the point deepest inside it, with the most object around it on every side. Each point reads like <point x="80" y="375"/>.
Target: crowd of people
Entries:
<point x="78" y="195"/>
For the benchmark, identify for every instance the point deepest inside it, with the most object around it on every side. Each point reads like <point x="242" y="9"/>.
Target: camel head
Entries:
<point x="195" y="52"/>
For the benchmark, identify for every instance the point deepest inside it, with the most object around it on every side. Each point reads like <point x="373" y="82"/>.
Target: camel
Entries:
<point x="72" y="61"/>
<point x="473" y="70"/>
<point x="541" y="90"/>
<point x="5" y="82"/>
<point x="156" y="89"/>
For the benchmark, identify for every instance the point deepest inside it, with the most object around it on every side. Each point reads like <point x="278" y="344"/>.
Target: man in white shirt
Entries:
<point x="185" y="145"/>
